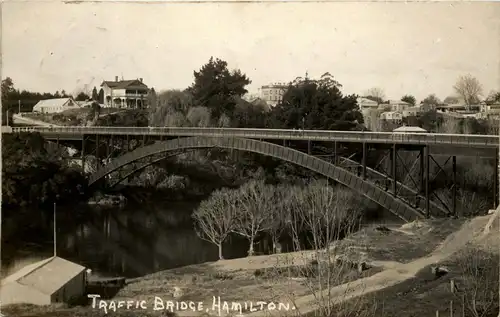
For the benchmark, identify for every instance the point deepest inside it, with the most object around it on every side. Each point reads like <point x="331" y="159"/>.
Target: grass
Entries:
<point x="278" y="278"/>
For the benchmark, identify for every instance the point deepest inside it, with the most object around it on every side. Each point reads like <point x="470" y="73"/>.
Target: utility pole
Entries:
<point x="55" y="234"/>
<point x="19" y="106"/>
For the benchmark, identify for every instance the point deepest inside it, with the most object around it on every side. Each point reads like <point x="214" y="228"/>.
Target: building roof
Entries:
<point x="409" y="129"/>
<point x="366" y="100"/>
<point x="398" y="102"/>
<point x="56" y="102"/>
<point x="46" y="276"/>
<point x="125" y="84"/>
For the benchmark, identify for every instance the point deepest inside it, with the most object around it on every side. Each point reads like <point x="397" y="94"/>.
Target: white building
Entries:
<point x="366" y="104"/>
<point x="130" y="94"/>
<point x="392" y="116"/>
<point x="55" y="105"/>
<point x="398" y="105"/>
<point x="44" y="282"/>
<point x="273" y="93"/>
<point x="411" y="111"/>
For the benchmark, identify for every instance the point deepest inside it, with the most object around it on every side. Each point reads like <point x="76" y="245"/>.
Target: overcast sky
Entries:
<point x="415" y="48"/>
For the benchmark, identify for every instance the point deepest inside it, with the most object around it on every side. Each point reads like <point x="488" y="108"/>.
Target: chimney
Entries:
<point x="116" y="78"/>
<point x="140" y="79"/>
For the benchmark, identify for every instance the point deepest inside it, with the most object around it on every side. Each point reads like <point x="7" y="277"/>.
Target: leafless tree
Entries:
<point x="328" y="213"/>
<point x="469" y="88"/>
<point x="215" y="218"/>
<point x="376" y="93"/>
<point x="449" y="125"/>
<point x="479" y="280"/>
<point x="199" y="117"/>
<point x="254" y="207"/>
<point x="280" y="216"/>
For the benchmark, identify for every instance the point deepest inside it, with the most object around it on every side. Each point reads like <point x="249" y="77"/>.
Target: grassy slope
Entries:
<point x="246" y="279"/>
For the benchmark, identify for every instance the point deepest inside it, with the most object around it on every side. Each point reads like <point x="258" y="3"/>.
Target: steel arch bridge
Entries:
<point x="385" y="197"/>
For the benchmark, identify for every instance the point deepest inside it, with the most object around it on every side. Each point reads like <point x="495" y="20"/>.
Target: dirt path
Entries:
<point x="471" y="230"/>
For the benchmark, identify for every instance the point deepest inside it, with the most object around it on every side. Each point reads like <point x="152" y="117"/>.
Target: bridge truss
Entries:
<point x="396" y="176"/>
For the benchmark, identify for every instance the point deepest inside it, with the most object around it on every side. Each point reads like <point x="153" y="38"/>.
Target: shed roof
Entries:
<point x="409" y="129"/>
<point x="56" y="102"/>
<point x="47" y="276"/>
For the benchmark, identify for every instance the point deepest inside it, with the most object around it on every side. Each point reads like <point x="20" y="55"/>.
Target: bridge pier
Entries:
<point x="427" y="175"/>
<point x="363" y="159"/>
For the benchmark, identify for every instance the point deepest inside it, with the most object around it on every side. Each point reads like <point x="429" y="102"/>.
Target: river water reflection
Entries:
<point x="130" y="241"/>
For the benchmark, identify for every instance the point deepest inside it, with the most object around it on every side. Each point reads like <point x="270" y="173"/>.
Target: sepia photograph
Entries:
<point x="226" y="158"/>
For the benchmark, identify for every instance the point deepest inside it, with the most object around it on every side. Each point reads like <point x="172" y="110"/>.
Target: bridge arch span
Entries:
<point x="383" y="198"/>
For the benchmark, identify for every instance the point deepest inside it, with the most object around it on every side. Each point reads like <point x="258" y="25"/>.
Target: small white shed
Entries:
<point x="44" y="282"/>
<point x="409" y="129"/>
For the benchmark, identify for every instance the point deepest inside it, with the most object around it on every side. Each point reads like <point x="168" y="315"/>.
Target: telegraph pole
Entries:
<point x="55" y="234"/>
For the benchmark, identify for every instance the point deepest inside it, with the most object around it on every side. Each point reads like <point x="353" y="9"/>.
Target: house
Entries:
<point x="130" y="94"/>
<point x="409" y="129"/>
<point x="44" y="282"/>
<point x="366" y="104"/>
<point x="398" y="105"/>
<point x="392" y="116"/>
<point x="273" y="93"/>
<point x="411" y="111"/>
<point x="55" y="105"/>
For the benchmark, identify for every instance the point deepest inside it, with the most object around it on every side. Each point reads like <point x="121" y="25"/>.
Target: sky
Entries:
<point x="403" y="48"/>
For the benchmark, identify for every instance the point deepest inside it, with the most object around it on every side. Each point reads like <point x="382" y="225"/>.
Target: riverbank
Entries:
<point x="391" y="254"/>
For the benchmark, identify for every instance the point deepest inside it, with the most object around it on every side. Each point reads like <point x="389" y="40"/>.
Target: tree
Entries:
<point x="100" y="97"/>
<point x="215" y="217"/>
<point x="199" y="117"/>
<point x="80" y="97"/>
<point x="280" y="216"/>
<point x="215" y="87"/>
<point x="254" y="205"/>
<point x="95" y="95"/>
<point x="469" y="89"/>
<point x="375" y="94"/>
<point x="409" y="99"/>
<point x="34" y="175"/>
<point x="431" y="100"/>
<point x="316" y="104"/>
<point x="152" y="98"/>
<point x="451" y="100"/>
<point x="171" y="107"/>
<point x="478" y="282"/>
<point x="493" y="96"/>
<point x="7" y="89"/>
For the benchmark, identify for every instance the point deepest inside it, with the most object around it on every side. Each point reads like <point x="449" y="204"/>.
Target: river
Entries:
<point x="131" y="241"/>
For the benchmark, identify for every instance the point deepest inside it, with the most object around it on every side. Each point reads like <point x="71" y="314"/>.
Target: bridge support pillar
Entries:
<point x="83" y="154"/>
<point x="97" y="147"/>
<point x="394" y="169"/>
<point x="495" y="182"/>
<point x="363" y="159"/>
<point x="309" y="147"/>
<point x="422" y="170"/>
<point x="335" y="153"/>
<point x="454" y="202"/>
<point x="427" y="174"/>
<point x="107" y="148"/>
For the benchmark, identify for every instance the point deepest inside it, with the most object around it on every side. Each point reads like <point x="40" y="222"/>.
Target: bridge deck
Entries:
<point x="461" y="140"/>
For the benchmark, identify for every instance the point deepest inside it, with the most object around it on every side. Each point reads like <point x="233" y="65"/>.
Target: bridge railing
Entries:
<point x="317" y="135"/>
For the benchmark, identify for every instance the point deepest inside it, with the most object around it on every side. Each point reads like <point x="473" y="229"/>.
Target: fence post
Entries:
<point x="437" y="313"/>
<point x="451" y="308"/>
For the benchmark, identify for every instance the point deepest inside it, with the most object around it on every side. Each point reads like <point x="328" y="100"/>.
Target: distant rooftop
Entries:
<point x="125" y="84"/>
<point x="409" y="129"/>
